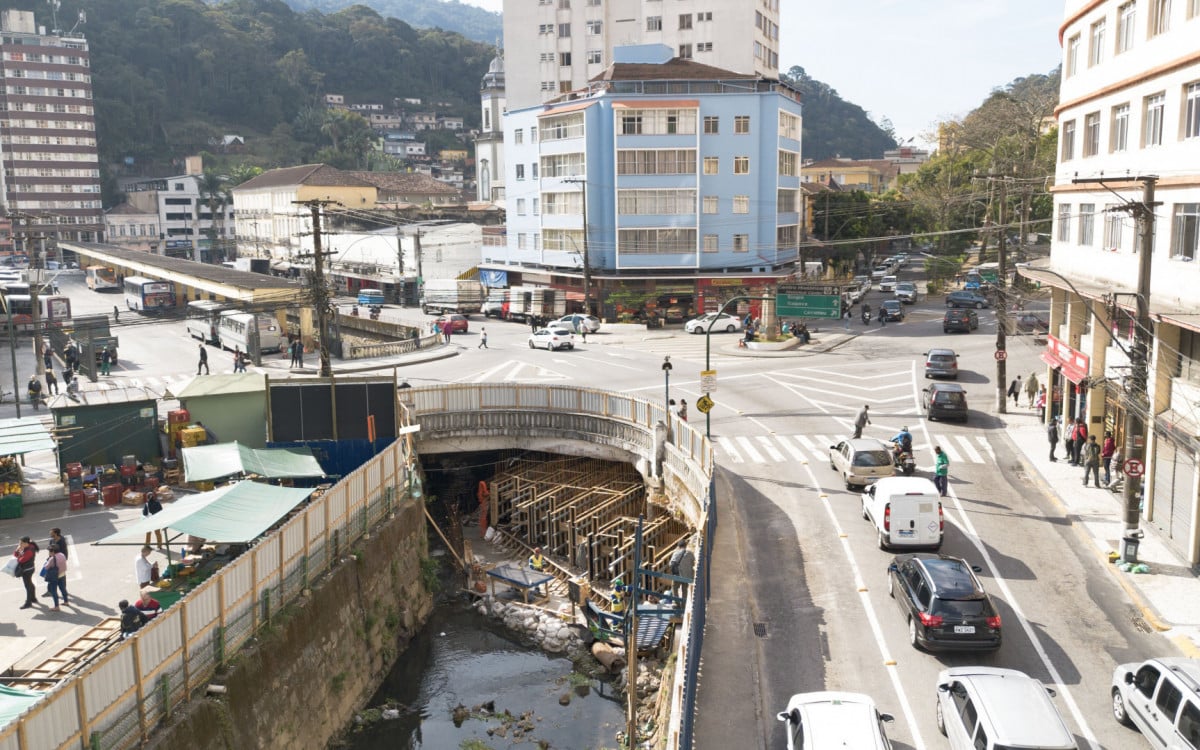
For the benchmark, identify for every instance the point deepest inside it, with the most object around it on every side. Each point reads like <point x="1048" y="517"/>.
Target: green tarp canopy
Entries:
<point x="24" y="435"/>
<point x="234" y="514"/>
<point x="15" y="701"/>
<point x="205" y="462"/>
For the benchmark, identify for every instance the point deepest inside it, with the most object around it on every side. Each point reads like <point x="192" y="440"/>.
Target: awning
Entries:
<point x="205" y="462"/>
<point x="24" y="435"/>
<point x="233" y="514"/>
<point x="16" y="701"/>
<point x="1075" y="365"/>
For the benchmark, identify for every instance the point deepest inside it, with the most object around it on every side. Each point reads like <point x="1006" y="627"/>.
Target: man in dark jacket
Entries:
<point x="132" y="618"/>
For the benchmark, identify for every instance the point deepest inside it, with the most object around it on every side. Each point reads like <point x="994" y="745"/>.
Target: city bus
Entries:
<point x="202" y="318"/>
<point x="148" y="295"/>
<point x="102" y="279"/>
<point x="235" y="329"/>
<point x="53" y="311"/>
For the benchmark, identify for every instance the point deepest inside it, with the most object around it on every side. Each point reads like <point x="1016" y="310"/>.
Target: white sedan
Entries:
<point x="725" y="322"/>
<point x="578" y="323"/>
<point x="551" y="339"/>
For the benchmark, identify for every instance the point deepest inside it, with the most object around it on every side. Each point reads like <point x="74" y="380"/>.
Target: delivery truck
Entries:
<point x="440" y="296"/>
<point x="536" y="302"/>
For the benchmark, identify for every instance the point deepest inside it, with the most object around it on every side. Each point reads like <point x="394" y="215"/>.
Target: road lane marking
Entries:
<point x="793" y="450"/>
<point x="808" y="444"/>
<point x="948" y="449"/>
<point x="731" y="450"/>
<point x="770" y="448"/>
<point x="748" y="447"/>
<point x="972" y="454"/>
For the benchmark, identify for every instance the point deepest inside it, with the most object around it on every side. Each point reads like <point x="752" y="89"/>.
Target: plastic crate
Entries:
<point x="11" y="506"/>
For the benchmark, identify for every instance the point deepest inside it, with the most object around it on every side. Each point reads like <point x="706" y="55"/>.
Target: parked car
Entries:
<point x="861" y="461"/>
<point x="552" y="338"/>
<point x="834" y="721"/>
<point x="724" y="322"/>
<point x="887" y="284"/>
<point x="906" y="292"/>
<point x="944" y="401"/>
<point x="578" y="322"/>
<point x="944" y="604"/>
<point x="990" y="707"/>
<point x="1161" y="698"/>
<point x="892" y="309"/>
<point x="963" y="319"/>
<point x="1032" y="323"/>
<point x="966" y="299"/>
<point x="941" y="363"/>
<point x="457" y="323"/>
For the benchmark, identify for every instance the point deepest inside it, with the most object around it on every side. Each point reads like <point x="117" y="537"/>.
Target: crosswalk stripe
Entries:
<point x="770" y="448"/>
<point x="808" y="445"/>
<point x="731" y="450"/>
<point x="792" y="449"/>
<point x="950" y="452"/>
<point x="748" y="447"/>
<point x="823" y="443"/>
<point x="986" y="447"/>
<point x="969" y="449"/>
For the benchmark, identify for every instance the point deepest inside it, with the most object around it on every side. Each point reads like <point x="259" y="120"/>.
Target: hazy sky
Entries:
<point x="915" y="61"/>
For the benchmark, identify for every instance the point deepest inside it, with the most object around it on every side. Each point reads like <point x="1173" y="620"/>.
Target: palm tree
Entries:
<point x="215" y="192"/>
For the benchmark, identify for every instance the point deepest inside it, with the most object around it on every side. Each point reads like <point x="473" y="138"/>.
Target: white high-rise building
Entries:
<point x="555" y="46"/>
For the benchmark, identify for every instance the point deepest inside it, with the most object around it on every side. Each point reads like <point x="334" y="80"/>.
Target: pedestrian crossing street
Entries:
<point x="765" y="449"/>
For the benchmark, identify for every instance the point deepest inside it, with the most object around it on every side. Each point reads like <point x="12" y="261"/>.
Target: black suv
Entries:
<point x="960" y="319"/>
<point x="944" y="603"/>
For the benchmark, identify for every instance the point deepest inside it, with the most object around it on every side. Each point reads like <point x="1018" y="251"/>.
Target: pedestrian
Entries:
<point x="116" y="314"/>
<point x="132" y="618"/>
<point x="1091" y="460"/>
<point x="56" y="538"/>
<point x="1106" y="455"/>
<point x="147" y="604"/>
<point x="35" y="391"/>
<point x="533" y="324"/>
<point x="203" y="364"/>
<point x="537" y="563"/>
<point x="583" y="332"/>
<point x="152" y="507"/>
<point x="862" y="420"/>
<point x="941" y="470"/>
<point x="292" y="353"/>
<point x="47" y="356"/>
<point x="1014" y="390"/>
<point x="447" y="329"/>
<point x="1081" y="436"/>
<point x="1052" y="436"/>
<point x="51" y="381"/>
<point x="55" y="572"/>
<point x="1069" y="441"/>
<point x="882" y="316"/>
<point x="1040" y="403"/>
<point x="237" y="359"/>
<point x="299" y="354"/>
<point x="143" y="570"/>
<point x="682" y="565"/>
<point x="27" y="549"/>
<point x="482" y="339"/>
<point x="683" y="409"/>
<point x="72" y="358"/>
<point x="1031" y="389"/>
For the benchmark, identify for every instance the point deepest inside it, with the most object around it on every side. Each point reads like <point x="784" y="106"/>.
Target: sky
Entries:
<point x="915" y="62"/>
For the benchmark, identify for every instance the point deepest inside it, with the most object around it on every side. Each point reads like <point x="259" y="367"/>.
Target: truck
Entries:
<point x="535" y="302"/>
<point x="496" y="304"/>
<point x="452" y="296"/>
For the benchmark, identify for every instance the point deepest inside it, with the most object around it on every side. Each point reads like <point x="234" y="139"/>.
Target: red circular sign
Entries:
<point x="1133" y="467"/>
<point x="1000" y="355"/>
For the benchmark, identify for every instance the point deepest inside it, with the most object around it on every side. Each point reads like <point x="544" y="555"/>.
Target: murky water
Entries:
<point x="464" y="658"/>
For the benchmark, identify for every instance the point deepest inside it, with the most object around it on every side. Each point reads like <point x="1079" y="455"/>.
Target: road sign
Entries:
<point x="1133" y="468"/>
<point x="800" y="305"/>
<point x="708" y="381"/>
<point x="704" y="404"/>
<point x="1000" y="355"/>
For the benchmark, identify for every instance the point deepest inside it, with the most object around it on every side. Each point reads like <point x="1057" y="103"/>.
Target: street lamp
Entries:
<point x="666" y="368"/>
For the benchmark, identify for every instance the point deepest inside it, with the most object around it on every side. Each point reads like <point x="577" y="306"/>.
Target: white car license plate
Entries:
<point x="964" y="629"/>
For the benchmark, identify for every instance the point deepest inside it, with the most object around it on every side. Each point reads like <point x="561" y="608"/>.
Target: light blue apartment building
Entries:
<point x="684" y="172"/>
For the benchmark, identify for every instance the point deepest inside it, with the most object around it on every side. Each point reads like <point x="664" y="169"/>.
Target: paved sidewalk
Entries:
<point x="1169" y="595"/>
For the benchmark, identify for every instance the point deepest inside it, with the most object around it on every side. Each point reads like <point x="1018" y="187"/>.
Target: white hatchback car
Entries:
<point x="725" y="322"/>
<point x="834" y="721"/>
<point x="861" y="461"/>
<point x="551" y="339"/>
<point x="578" y="323"/>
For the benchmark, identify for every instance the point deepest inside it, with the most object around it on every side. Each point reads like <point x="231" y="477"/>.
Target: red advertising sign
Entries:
<point x="1074" y="364"/>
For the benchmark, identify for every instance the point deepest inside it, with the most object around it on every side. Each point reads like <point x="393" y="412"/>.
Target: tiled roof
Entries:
<point x="406" y="183"/>
<point x="675" y="69"/>
<point x="320" y="175"/>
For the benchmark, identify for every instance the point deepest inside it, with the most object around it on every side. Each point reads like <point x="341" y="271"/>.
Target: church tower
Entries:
<point x="489" y="145"/>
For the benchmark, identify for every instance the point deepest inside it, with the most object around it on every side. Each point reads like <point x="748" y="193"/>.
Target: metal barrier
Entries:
<point x="391" y="348"/>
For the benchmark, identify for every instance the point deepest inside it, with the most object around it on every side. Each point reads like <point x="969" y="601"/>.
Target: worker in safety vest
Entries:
<point x="618" y="597"/>
<point x="537" y="562"/>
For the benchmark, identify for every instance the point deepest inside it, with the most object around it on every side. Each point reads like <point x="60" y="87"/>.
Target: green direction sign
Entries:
<point x="807" y="305"/>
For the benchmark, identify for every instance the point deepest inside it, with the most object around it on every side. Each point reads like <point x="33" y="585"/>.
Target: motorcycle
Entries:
<point x="903" y="460"/>
<point x="866" y="316"/>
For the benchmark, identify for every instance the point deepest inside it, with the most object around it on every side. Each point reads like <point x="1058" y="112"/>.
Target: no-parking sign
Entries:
<point x="1133" y="468"/>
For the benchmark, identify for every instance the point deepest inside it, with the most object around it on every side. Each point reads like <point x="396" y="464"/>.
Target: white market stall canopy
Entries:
<point x="205" y="462"/>
<point x="234" y="514"/>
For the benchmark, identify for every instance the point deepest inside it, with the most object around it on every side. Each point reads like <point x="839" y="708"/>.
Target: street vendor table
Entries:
<point x="518" y="576"/>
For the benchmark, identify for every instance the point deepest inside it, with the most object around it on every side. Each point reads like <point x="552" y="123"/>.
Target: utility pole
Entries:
<point x="587" y="264"/>
<point x="417" y="253"/>
<point x="319" y="289"/>
<point x="399" y="260"/>
<point x="1002" y="302"/>
<point x="1138" y="408"/>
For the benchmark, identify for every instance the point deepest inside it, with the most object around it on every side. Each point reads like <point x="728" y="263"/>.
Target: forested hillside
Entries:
<point x="451" y="15"/>
<point x="834" y="126"/>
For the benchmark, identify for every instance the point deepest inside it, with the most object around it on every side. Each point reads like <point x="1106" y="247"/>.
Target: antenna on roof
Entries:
<point x="54" y="6"/>
<point x="82" y="20"/>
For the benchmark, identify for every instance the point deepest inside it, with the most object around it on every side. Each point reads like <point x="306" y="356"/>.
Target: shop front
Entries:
<point x="1068" y="386"/>
<point x="1175" y="482"/>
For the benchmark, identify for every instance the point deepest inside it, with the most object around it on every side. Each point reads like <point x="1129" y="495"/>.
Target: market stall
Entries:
<point x="18" y="437"/>
<point x="208" y="462"/>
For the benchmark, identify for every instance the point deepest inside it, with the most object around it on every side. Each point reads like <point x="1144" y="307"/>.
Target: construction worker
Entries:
<point x="618" y="598"/>
<point x="538" y="562"/>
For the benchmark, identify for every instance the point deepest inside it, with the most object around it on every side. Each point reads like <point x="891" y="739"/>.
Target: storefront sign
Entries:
<point x="1074" y="364"/>
<point x="722" y="282"/>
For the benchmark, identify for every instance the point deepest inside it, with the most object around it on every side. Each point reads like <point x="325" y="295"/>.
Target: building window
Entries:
<point x="593" y="28"/>
<point x="656" y="202"/>
<point x="1096" y="53"/>
<point x="631" y="123"/>
<point x="1152" y="116"/>
<point x="685" y="52"/>
<point x="1091" y="134"/>
<point x="712" y="125"/>
<point x="560" y="128"/>
<point x="710" y="243"/>
<point x="563" y="165"/>
<point x="653" y="23"/>
<point x="685" y="20"/>
<point x="546" y="28"/>
<point x="564" y="59"/>
<point x="741" y="204"/>
<point x="741" y="125"/>
<point x="787" y="237"/>
<point x="785" y="200"/>
<point x="712" y="164"/>
<point x="1186" y="238"/>
<point x="1191" y="111"/>
<point x="518" y="136"/>
<point x="1126" y="17"/>
<point x="533" y="168"/>
<point x="521" y="241"/>
<point x="789" y="126"/>
<point x="1120" y="128"/>
<point x="661" y="161"/>
<point x="1067" y="139"/>
<point x="711" y="203"/>
<point x="1113" y="225"/>
<point x="704" y="47"/>
<point x="787" y="163"/>
<point x="672" y="241"/>
<point x="741" y="165"/>
<point x="1064" y="222"/>
<point x="1160" y="17"/>
<point x="563" y="204"/>
<point x="595" y="56"/>
<point x="533" y="135"/>
<point x="564" y="29"/>
<point x="658" y="122"/>
<point x="1072" y="56"/>
<point x="706" y="16"/>
<point x="536" y="206"/>
<point x="520" y="171"/>
<point x="1087" y="223"/>
<point x="741" y="243"/>
<point x="520" y="206"/>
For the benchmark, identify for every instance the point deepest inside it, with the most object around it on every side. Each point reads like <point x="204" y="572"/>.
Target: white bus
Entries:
<point x="102" y="279"/>
<point x="148" y="295"/>
<point x="236" y="328"/>
<point x="202" y="319"/>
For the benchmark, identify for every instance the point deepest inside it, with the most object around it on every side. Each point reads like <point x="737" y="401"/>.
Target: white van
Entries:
<point x="906" y="512"/>
<point x="1161" y="698"/>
